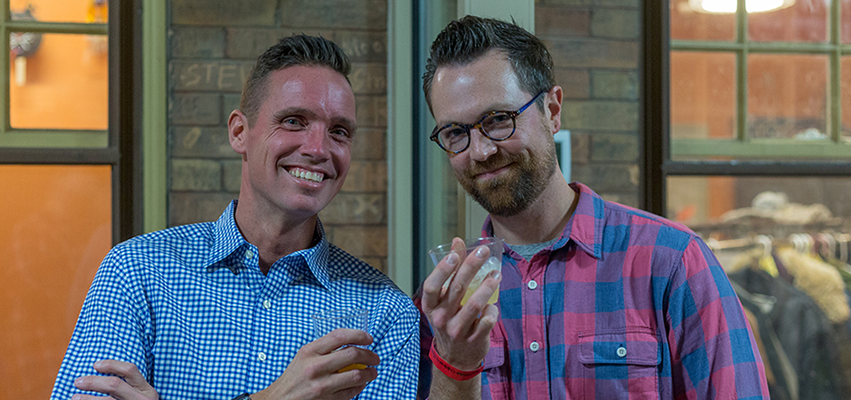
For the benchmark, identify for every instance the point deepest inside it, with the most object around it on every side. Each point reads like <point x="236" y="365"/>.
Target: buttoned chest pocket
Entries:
<point x="620" y="363"/>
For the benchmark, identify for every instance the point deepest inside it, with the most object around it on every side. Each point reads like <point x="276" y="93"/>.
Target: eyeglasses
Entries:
<point x="495" y="125"/>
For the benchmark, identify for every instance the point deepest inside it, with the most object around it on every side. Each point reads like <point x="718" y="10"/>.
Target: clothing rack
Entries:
<point x="716" y="245"/>
<point x="826" y="242"/>
<point x="742" y="229"/>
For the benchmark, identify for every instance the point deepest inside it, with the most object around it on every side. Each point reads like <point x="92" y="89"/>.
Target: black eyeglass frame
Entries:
<point x="468" y="128"/>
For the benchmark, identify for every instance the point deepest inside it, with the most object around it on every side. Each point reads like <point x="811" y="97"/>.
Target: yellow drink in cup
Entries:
<point x="351" y="367"/>
<point x="327" y="321"/>
<point x="493" y="263"/>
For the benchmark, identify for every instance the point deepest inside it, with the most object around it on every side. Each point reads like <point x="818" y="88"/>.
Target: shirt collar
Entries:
<point x="228" y="246"/>
<point x="585" y="226"/>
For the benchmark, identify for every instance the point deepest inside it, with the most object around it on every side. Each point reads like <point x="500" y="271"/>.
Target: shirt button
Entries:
<point x="621" y="352"/>
<point x="267" y="304"/>
<point x="534" y="346"/>
<point x="532" y="285"/>
<point x="261" y="356"/>
<point x="249" y="254"/>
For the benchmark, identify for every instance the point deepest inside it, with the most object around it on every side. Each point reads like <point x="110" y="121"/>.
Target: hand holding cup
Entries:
<point x="493" y="263"/>
<point x="327" y="321"/>
<point x="461" y="329"/>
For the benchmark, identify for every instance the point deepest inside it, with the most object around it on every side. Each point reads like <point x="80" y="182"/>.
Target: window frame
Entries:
<point x="117" y="146"/>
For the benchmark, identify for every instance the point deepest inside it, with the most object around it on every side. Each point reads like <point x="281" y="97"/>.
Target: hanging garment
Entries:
<point x="779" y="372"/>
<point x="804" y="333"/>
<point x="820" y="281"/>
<point x="838" y="331"/>
<point x="843" y="268"/>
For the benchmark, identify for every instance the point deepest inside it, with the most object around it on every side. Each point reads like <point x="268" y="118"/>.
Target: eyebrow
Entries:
<point x="500" y="107"/>
<point x="337" y="120"/>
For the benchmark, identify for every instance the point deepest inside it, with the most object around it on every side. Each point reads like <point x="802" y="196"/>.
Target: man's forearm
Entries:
<point x="446" y="388"/>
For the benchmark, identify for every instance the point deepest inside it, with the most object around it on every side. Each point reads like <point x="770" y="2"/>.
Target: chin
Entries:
<point x="305" y="208"/>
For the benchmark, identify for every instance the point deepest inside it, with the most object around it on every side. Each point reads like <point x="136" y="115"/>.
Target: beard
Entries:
<point x="515" y="190"/>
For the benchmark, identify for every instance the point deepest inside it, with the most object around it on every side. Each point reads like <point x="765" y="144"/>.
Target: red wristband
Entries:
<point x="451" y="371"/>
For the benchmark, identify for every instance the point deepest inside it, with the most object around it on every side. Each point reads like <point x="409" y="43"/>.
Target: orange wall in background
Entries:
<point x="66" y="79"/>
<point x="56" y="228"/>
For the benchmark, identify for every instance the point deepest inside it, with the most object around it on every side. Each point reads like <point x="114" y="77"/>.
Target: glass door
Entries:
<point x="66" y="174"/>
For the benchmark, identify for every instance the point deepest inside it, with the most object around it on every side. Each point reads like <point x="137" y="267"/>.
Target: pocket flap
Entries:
<point x="496" y="354"/>
<point x="632" y="345"/>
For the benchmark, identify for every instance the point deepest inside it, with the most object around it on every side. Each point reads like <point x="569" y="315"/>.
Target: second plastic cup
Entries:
<point x="349" y="318"/>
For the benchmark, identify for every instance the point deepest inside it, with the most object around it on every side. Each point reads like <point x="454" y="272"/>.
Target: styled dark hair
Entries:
<point x="465" y="40"/>
<point x="289" y="51"/>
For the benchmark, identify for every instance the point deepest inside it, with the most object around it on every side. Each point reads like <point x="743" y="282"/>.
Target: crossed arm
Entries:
<point x="311" y="375"/>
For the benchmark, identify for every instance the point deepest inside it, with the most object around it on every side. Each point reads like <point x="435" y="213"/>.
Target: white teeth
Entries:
<point x="307" y="175"/>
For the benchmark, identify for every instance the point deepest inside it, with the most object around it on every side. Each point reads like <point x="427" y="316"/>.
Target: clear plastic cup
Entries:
<point x="493" y="263"/>
<point x="348" y="318"/>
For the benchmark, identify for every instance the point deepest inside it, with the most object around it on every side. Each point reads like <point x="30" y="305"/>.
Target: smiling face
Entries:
<point x="504" y="177"/>
<point x="296" y="155"/>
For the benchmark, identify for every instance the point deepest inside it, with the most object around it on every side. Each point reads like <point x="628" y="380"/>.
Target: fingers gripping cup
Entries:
<point x="493" y="263"/>
<point x="349" y="318"/>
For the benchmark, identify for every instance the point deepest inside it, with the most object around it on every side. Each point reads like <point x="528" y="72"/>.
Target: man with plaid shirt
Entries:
<point x="222" y="310"/>
<point x="596" y="299"/>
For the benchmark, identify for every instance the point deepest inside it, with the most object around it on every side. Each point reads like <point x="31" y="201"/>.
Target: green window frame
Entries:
<point x="764" y="157"/>
<point x="745" y="146"/>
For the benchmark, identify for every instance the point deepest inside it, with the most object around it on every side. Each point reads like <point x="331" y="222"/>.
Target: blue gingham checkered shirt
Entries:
<point x="190" y="307"/>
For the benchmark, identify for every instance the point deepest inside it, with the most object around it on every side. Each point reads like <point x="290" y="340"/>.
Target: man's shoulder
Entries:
<point x="610" y="213"/>
<point x="623" y="214"/>
<point x="347" y="265"/>
<point x="175" y="240"/>
<point x="645" y="229"/>
<point x="355" y="271"/>
<point x="153" y="261"/>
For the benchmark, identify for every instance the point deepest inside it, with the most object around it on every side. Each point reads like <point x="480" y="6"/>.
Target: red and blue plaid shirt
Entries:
<point x="624" y="305"/>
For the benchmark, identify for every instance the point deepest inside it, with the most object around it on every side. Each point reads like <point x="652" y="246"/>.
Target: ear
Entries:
<point x="237" y="130"/>
<point x="552" y="104"/>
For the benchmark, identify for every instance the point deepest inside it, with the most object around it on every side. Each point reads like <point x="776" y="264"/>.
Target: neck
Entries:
<point x="544" y="220"/>
<point x="275" y="235"/>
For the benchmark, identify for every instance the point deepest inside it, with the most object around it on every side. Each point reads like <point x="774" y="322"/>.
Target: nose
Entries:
<point x="316" y="144"/>
<point x="481" y="147"/>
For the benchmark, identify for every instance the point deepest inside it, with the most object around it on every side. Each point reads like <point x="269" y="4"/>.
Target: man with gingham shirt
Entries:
<point x="221" y="310"/>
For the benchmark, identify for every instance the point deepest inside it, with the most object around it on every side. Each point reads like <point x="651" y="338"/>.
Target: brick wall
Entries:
<point x="595" y="46"/>
<point x="213" y="45"/>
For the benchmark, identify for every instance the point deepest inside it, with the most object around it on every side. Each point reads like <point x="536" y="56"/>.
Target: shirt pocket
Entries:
<point x="496" y="380"/>
<point x="620" y="363"/>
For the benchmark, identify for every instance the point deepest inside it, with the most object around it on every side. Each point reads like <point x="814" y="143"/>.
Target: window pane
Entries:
<point x="703" y="95"/>
<point x="63" y="84"/>
<point x="787" y="97"/>
<point x="57" y="227"/>
<point x="690" y="23"/>
<point x="785" y="244"/>
<point x="803" y="21"/>
<point x="86" y="11"/>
